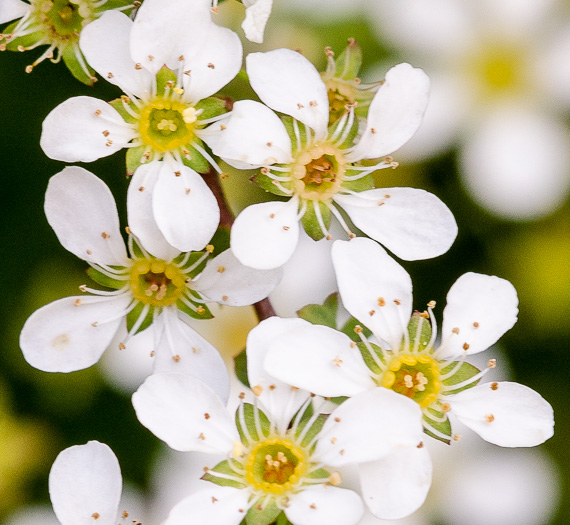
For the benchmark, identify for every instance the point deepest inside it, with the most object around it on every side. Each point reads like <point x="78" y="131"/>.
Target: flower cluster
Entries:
<point x="316" y="400"/>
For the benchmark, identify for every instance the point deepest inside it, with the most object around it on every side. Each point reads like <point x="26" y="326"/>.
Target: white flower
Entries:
<point x="500" y="85"/>
<point x="320" y="169"/>
<point x="279" y="455"/>
<point x="168" y="62"/>
<point x="377" y="291"/>
<point x="158" y="285"/>
<point x="85" y="485"/>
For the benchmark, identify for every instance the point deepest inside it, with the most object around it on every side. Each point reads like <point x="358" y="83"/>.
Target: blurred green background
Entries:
<point x="41" y="413"/>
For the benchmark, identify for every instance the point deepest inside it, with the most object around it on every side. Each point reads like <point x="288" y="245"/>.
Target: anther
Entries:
<point x="122" y="346"/>
<point x="128" y="230"/>
<point x="337" y="419"/>
<point x="29" y="69"/>
<point x="358" y="329"/>
<point x="490" y="418"/>
<point x="272" y="387"/>
<point x="150" y="58"/>
<point x="300" y="106"/>
<point x="381" y="301"/>
<point x="492" y="363"/>
<point x="455" y="330"/>
<point x="176" y="358"/>
<point x="211" y="66"/>
<point x="313" y="506"/>
<point x="286" y="228"/>
<point x="456" y="437"/>
<point x="337" y="361"/>
<point x="202" y="436"/>
<point x="221" y="269"/>
<point x="420" y="445"/>
<point x="110" y="75"/>
<point x="206" y="416"/>
<point x="475" y="324"/>
<point x="351" y="235"/>
<point x="494" y="386"/>
<point x="373" y="131"/>
<point x="95" y="515"/>
<point x="465" y="346"/>
<point x="187" y="191"/>
<point x="242" y="395"/>
<point x="124" y="514"/>
<point x="335" y="478"/>
<point x="257" y="390"/>
<point x="138" y="66"/>
<point x="313" y="103"/>
<point x="105" y="235"/>
<point x="445" y="407"/>
<point x="210" y="248"/>
<point x="431" y="304"/>
<point x="269" y="144"/>
<point x="106" y="133"/>
<point x="397" y="302"/>
<point x="153" y="353"/>
<point x="371" y="312"/>
<point x="225" y="297"/>
<point x="83" y="287"/>
<point x="97" y="112"/>
<point x="214" y="499"/>
<point x="77" y="302"/>
<point x="177" y="173"/>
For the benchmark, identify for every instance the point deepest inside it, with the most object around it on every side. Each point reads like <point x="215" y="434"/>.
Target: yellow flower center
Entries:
<point x="275" y="466"/>
<point x="415" y="376"/>
<point x="166" y="125"/>
<point x="318" y="172"/>
<point x="156" y="282"/>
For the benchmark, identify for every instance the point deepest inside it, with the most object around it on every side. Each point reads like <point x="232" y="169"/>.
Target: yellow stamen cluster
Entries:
<point x="156" y="282"/>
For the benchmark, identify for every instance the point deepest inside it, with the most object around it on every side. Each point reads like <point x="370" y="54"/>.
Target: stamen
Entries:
<point x="209" y="250"/>
<point x="297" y="135"/>
<point x="94" y="291"/>
<point x="317" y="208"/>
<point x="243" y="426"/>
<point x="341" y="220"/>
<point x="309" y="424"/>
<point x="373" y="354"/>
<point x="475" y="378"/>
<point x="206" y="155"/>
<point x="348" y="126"/>
<point x="434" y="431"/>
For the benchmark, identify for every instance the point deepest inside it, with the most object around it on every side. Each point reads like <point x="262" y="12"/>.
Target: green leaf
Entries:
<point x="165" y="78"/>
<point x="444" y="426"/>
<point x="240" y="366"/>
<point x="310" y="222"/>
<point x="266" y="515"/>
<point x="465" y="372"/>
<point x="250" y="424"/>
<point x="349" y="62"/>
<point x="419" y="329"/>
<point x="74" y="66"/>
<point x="224" y="468"/>
<point x="324" y="314"/>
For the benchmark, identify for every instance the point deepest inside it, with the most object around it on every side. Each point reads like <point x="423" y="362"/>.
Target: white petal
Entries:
<point x="83" y="129"/>
<point x="318" y="359"/>
<point x="256" y="15"/>
<point x="181" y="349"/>
<point x="323" y="505"/>
<point x="60" y="336"/>
<point x="506" y="414"/>
<point x="214" y="505"/>
<point x="287" y="82"/>
<point x="85" y="485"/>
<point x="213" y="64"/>
<point x="369" y="426"/>
<point x="160" y="36"/>
<point x="368" y="278"/>
<point x="105" y="44"/>
<point x="141" y="218"/>
<point x="253" y="134"/>
<point x="413" y="224"/>
<point x="12" y="9"/>
<point x="185" y="209"/>
<point x="81" y="210"/>
<point x="280" y="400"/>
<point x="395" y="113"/>
<point x="227" y="281"/>
<point x="185" y="413"/>
<point x="480" y="309"/>
<point x="265" y="235"/>
<point x="397" y="485"/>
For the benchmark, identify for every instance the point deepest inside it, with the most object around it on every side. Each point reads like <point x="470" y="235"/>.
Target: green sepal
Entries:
<point x="419" y="330"/>
<point x="165" y="77"/>
<point x="26" y="41"/>
<point x="134" y="156"/>
<point x="193" y="257"/>
<point x="320" y="473"/>
<point x="350" y="325"/>
<point x="249" y="419"/>
<point x="338" y="400"/>
<point x="465" y="372"/>
<point x="324" y="314"/>
<point x="197" y="162"/>
<point x="264" y="516"/>
<point x="212" y="107"/>
<point x="136" y="251"/>
<point x="119" y="107"/>
<point x="349" y="62"/>
<point x="310" y="222"/>
<point x="104" y="280"/>
<point x="444" y="426"/>
<point x="315" y="428"/>
<point x="114" y="4"/>
<point x="265" y="182"/>
<point x="135" y="313"/>
<point x="369" y="360"/>
<point x="358" y="185"/>
<point x="282" y="520"/>
<point x="240" y="366"/>
<point x="224" y="468"/>
<point x="289" y="127"/>
<point x="206" y="314"/>
<point x="71" y="62"/>
<point x="221" y="239"/>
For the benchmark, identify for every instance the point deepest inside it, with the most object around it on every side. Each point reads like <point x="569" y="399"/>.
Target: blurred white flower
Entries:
<point x="500" y="81"/>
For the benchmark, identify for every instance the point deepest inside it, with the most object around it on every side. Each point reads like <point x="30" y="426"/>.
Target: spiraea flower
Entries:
<point x="56" y="24"/>
<point x="85" y="486"/>
<point x="318" y="167"/>
<point x="156" y="286"/>
<point x="403" y="355"/>
<point x="281" y="451"/>
<point x="168" y="63"/>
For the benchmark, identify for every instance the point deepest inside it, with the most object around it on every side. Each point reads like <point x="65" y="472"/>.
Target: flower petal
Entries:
<point x="60" y="337"/>
<point x="82" y="212"/>
<point x="287" y="82"/>
<point x="506" y="414"/>
<point x="480" y="309"/>
<point x="213" y="64"/>
<point x="368" y="427"/>
<point x="185" y="209"/>
<point x="83" y="129"/>
<point x="318" y="359"/>
<point x="256" y="15"/>
<point x="413" y="224"/>
<point x="253" y="134"/>
<point x="185" y="413"/>
<point x="374" y="287"/>
<point x="85" y="485"/>
<point x="181" y="349"/>
<point x="105" y="44"/>
<point x="324" y="504"/>
<point x="396" y="485"/>
<point x="141" y="218"/>
<point x="395" y="113"/>
<point x="265" y="235"/>
<point x="216" y="504"/>
<point x="280" y="400"/>
<point x="12" y="9"/>
<point x="227" y="281"/>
